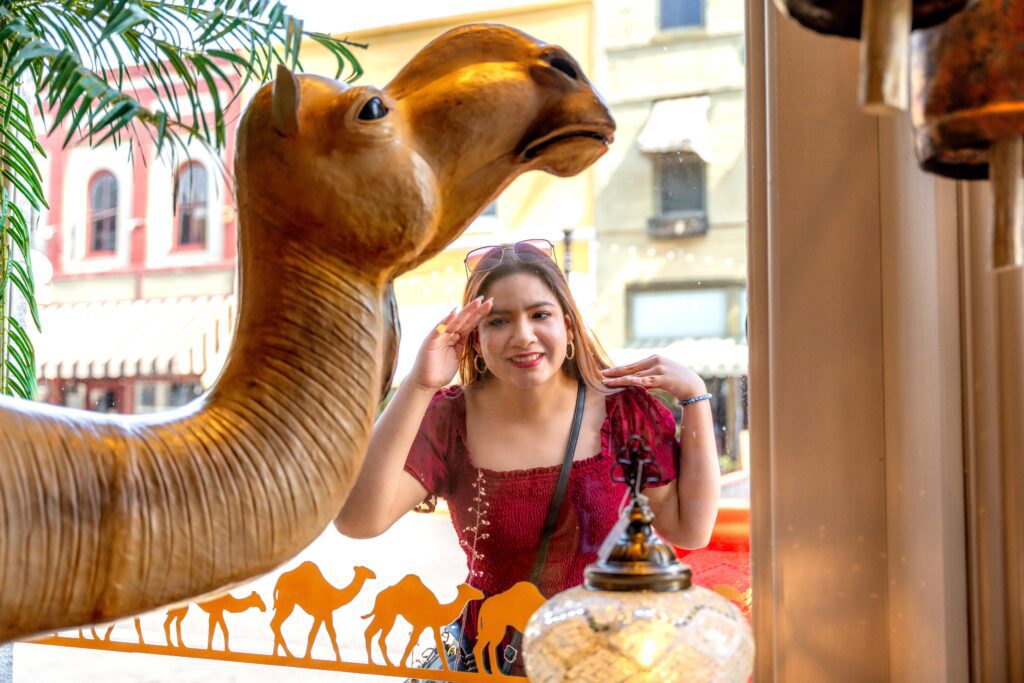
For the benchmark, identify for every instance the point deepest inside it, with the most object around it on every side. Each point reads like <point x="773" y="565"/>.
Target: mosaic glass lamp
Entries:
<point x="637" y="617"/>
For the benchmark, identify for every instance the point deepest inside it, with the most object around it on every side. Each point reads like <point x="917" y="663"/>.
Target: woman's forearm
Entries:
<point x="381" y="488"/>
<point x="698" y="486"/>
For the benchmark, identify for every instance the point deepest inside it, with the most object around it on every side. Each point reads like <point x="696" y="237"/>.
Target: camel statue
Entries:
<point x="226" y="603"/>
<point x="512" y="608"/>
<point x="306" y="587"/>
<point x="413" y="601"/>
<point x="175" y="615"/>
<point x="340" y="189"/>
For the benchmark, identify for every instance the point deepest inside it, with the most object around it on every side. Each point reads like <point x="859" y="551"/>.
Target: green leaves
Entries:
<point x="19" y="172"/>
<point x="89" y="66"/>
<point x="88" y="60"/>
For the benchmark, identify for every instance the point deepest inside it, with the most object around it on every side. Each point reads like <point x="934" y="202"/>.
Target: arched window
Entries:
<point x="103" y="212"/>
<point x="190" y="222"/>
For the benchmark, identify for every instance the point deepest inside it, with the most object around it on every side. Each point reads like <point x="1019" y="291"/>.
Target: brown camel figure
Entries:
<point x="175" y="615"/>
<point x="340" y="189"/>
<point x="512" y="608"/>
<point x="306" y="587"/>
<point x="413" y="601"/>
<point x="226" y="603"/>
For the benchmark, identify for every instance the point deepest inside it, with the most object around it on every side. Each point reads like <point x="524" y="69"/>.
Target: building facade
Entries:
<point x="670" y="204"/>
<point x="139" y="307"/>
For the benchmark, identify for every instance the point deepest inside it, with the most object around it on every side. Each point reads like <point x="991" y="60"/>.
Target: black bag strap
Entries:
<point x="554" y="509"/>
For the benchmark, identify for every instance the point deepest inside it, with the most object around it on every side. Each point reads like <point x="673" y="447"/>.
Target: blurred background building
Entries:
<point x="136" y="257"/>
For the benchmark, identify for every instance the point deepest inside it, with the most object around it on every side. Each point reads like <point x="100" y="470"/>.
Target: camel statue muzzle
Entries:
<point x="340" y="189"/>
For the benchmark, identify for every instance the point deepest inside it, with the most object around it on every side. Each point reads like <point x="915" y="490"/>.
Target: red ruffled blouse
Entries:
<point x="499" y="516"/>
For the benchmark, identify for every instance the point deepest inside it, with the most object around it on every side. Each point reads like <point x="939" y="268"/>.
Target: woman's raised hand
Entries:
<point x="657" y="372"/>
<point x="438" y="357"/>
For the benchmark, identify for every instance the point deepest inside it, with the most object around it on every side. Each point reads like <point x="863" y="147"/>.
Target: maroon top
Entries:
<point x="499" y="516"/>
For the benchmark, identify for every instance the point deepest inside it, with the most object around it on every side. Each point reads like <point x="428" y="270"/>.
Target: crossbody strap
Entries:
<point x="554" y="509"/>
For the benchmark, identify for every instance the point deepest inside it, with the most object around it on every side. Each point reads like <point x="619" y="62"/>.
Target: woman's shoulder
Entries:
<point x="447" y="405"/>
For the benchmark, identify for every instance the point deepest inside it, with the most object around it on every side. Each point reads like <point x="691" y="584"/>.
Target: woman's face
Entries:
<point x="523" y="340"/>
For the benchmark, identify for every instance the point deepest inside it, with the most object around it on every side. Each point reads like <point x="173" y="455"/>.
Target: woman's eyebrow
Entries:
<point x="505" y="311"/>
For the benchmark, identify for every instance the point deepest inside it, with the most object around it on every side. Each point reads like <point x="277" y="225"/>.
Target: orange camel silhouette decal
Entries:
<point x="175" y="615"/>
<point x="226" y="603"/>
<point x="512" y="608"/>
<point x="110" y="629"/>
<point x="306" y="587"/>
<point x="413" y="601"/>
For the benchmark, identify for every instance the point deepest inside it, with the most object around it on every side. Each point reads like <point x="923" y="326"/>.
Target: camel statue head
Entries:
<point x="340" y="189"/>
<point x="384" y="178"/>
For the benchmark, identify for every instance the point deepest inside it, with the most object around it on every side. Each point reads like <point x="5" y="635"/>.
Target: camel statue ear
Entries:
<point x="286" y="101"/>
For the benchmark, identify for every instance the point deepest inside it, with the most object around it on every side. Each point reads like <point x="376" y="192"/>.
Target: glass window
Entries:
<point x="674" y="314"/>
<point x="104" y="400"/>
<point x="680" y="184"/>
<point x="183" y="392"/>
<point x="103" y="213"/>
<point x="192" y="205"/>
<point x="677" y="13"/>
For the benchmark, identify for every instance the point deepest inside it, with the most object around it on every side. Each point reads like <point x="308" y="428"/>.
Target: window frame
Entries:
<point x="179" y="206"/>
<point x="701" y="22"/>
<point x="678" y="223"/>
<point x="109" y="213"/>
<point x="734" y="292"/>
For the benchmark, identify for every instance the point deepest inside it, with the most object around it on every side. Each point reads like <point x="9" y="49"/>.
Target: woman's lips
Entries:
<point x="526" y="360"/>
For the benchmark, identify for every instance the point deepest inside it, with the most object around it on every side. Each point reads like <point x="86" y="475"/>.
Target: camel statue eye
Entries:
<point x="374" y="109"/>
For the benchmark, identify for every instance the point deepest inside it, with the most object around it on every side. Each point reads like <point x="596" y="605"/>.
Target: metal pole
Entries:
<point x="567" y="248"/>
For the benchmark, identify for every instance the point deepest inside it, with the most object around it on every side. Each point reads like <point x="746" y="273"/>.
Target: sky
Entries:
<point x="344" y="16"/>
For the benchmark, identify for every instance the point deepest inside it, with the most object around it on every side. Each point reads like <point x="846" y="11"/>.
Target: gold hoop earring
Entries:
<point x="476" y="364"/>
<point x="570" y="351"/>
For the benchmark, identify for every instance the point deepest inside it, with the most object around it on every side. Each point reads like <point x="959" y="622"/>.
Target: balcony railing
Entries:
<point x="677" y="224"/>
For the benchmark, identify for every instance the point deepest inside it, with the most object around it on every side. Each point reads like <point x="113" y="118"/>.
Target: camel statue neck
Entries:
<point x="303" y="317"/>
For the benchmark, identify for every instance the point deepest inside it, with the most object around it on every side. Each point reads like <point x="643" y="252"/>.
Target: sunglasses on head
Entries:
<point x="483" y="259"/>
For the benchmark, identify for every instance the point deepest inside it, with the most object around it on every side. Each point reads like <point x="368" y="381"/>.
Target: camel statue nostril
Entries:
<point x="563" y="65"/>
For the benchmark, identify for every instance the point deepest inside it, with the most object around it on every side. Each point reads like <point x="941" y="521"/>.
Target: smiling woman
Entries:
<point x="494" y="446"/>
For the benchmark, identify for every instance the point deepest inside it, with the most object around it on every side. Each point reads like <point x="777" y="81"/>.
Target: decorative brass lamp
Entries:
<point x="637" y="617"/>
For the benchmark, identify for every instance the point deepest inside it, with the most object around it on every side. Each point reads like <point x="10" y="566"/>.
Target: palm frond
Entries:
<point x="90" y="59"/>
<point x="86" y="63"/>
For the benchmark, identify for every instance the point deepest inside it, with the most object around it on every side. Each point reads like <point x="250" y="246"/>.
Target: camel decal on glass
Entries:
<point x="226" y="603"/>
<point x="175" y="615"/>
<point x="413" y="601"/>
<point x="307" y="588"/>
<point x="110" y="630"/>
<point x="513" y="608"/>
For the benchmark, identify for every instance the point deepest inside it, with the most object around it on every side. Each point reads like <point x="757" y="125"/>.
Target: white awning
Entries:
<point x="170" y="337"/>
<point x="708" y="357"/>
<point x="679" y="125"/>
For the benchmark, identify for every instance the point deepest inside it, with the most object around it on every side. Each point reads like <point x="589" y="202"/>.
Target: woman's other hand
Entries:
<point x="657" y="372"/>
<point x="438" y="357"/>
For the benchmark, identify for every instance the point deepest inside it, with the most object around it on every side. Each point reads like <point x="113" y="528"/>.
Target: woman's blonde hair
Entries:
<point x="590" y="357"/>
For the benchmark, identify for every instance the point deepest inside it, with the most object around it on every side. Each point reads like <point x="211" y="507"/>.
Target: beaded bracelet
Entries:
<point x="695" y="399"/>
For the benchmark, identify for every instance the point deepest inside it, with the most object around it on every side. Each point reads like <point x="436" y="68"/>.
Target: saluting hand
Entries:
<point x="657" y="372"/>
<point x="438" y="358"/>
